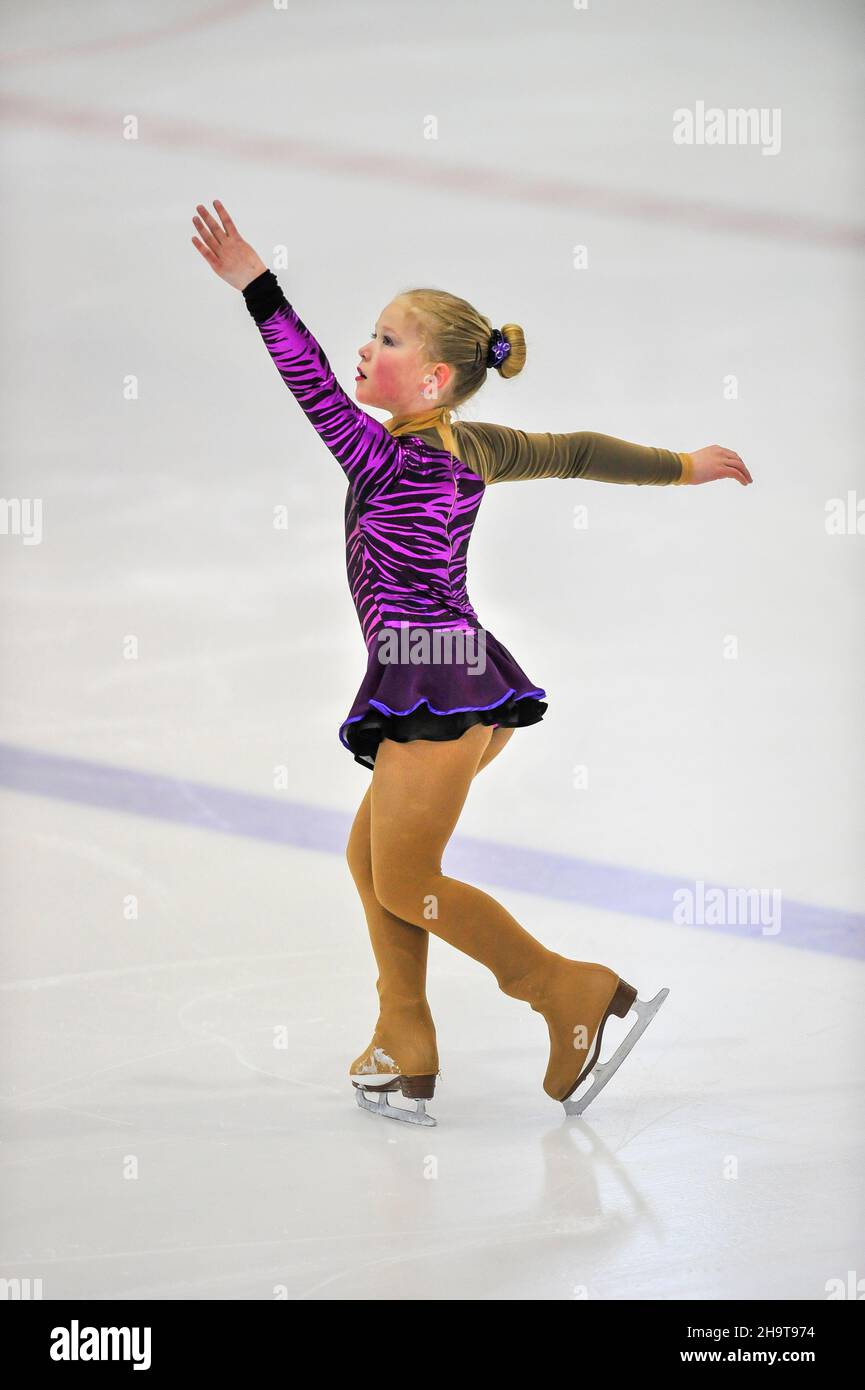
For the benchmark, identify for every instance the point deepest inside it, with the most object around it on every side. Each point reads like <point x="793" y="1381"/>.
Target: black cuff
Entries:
<point x="263" y="296"/>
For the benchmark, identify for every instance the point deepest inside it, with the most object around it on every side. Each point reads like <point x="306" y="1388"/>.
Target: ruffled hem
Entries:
<point x="364" y="735"/>
<point x="438" y="702"/>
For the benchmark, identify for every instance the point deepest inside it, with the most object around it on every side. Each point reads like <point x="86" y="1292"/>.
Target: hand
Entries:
<point x="714" y="462"/>
<point x="225" y="251"/>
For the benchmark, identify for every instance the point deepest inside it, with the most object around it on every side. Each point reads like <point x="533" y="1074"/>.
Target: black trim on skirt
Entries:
<point x="365" y="735"/>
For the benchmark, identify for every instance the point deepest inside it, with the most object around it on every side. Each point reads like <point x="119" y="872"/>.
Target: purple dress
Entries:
<point x="432" y="669"/>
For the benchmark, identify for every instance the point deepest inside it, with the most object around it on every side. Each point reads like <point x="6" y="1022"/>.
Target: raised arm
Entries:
<point x="500" y="454"/>
<point x="368" y="453"/>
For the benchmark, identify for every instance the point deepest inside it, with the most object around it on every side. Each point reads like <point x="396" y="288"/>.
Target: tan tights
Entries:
<point x="402" y="826"/>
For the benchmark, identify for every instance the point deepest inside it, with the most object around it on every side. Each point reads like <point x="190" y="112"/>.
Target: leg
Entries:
<point x="401" y="949"/>
<point x="418" y="792"/>
<point x="405" y="1024"/>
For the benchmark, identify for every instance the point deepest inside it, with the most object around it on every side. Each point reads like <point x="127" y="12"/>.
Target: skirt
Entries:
<point x="440" y="693"/>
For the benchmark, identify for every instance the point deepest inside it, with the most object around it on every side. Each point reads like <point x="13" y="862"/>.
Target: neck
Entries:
<point x="438" y="419"/>
<point x="402" y="423"/>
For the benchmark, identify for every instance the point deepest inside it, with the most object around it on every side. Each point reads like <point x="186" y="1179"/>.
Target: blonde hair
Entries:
<point x="451" y="330"/>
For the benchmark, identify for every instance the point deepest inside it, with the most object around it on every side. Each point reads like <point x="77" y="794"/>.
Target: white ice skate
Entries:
<point x="599" y="1073"/>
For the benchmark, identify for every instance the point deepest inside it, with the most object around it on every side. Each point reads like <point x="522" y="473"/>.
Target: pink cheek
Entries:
<point x="386" y="375"/>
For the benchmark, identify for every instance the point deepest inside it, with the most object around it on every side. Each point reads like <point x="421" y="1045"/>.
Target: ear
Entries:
<point x="443" y="375"/>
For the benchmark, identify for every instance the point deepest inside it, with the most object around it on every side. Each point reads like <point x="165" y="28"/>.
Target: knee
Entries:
<point x="406" y="890"/>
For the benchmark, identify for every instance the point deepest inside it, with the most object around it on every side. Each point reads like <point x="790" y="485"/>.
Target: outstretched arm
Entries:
<point x="366" y="451"/>
<point x="501" y="454"/>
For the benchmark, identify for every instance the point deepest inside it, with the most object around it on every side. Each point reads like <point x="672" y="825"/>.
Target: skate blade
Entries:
<point x="601" y="1073"/>
<point x="382" y="1106"/>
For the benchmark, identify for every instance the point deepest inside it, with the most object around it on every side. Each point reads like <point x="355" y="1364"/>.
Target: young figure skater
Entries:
<point x="426" y="726"/>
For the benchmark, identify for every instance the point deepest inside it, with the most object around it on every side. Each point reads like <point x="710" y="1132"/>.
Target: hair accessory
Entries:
<point x="498" y="350"/>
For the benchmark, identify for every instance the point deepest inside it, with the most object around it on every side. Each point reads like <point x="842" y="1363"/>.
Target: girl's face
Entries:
<point x="395" y="373"/>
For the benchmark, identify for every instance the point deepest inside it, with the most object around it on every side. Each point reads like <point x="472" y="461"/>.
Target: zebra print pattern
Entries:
<point x="410" y="507"/>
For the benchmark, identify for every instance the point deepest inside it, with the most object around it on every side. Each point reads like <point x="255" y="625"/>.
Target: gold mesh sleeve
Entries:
<point x="500" y="454"/>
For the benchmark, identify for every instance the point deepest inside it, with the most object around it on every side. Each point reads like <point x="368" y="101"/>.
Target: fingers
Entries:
<point x="733" y="461"/>
<point x="733" y="466"/>
<point x="740" y="474"/>
<point x="206" y="235"/>
<point x="213" y="226"/>
<point x="737" y="471"/>
<point x="205" y="253"/>
<point x="227" y="223"/>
